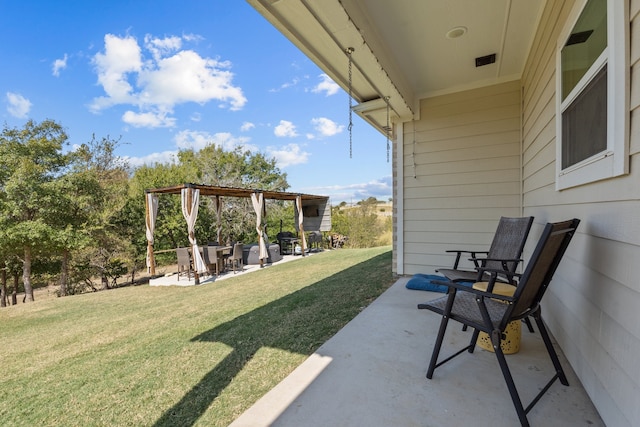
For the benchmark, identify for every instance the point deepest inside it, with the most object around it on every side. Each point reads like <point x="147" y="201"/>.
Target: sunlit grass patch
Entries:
<point x="178" y="356"/>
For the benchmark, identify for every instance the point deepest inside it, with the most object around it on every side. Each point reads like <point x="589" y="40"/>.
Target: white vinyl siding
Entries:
<point x="593" y="305"/>
<point x="467" y="173"/>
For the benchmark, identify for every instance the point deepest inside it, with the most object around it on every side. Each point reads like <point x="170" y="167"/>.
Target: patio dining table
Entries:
<point x="220" y="252"/>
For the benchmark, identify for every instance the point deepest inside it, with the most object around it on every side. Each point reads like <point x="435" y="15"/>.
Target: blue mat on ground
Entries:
<point x="424" y="282"/>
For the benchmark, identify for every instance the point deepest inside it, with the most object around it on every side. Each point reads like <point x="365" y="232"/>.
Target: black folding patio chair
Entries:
<point x="491" y="313"/>
<point x="503" y="254"/>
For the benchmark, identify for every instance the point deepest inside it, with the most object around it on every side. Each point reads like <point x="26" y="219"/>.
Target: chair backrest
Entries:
<point x="209" y="255"/>
<point x="509" y="240"/>
<point x="183" y="256"/>
<point x="237" y="250"/>
<point x="543" y="264"/>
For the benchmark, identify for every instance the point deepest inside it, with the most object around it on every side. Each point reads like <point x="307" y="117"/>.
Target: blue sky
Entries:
<point x="164" y="75"/>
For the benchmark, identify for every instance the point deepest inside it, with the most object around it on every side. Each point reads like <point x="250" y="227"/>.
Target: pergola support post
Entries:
<point x="151" y="210"/>
<point x="303" y="240"/>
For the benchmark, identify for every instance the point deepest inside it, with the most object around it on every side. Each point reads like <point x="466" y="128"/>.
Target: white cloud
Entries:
<point x="326" y="127"/>
<point x="197" y="140"/>
<point x="122" y="56"/>
<point x="59" y="64"/>
<point x="153" y="158"/>
<point x="326" y="86"/>
<point x="294" y="82"/>
<point x="288" y="155"/>
<point x="192" y="38"/>
<point x="162" y="47"/>
<point x="285" y="129"/>
<point x="192" y="140"/>
<point x="165" y="77"/>
<point x="19" y="106"/>
<point x="187" y="77"/>
<point x="148" y="119"/>
<point x="247" y="126"/>
<point x="381" y="189"/>
<point x="196" y="117"/>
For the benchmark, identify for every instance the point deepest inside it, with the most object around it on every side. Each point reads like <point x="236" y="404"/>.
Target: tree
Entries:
<point x="72" y="216"/>
<point x="31" y="161"/>
<point x="370" y="201"/>
<point x="98" y="181"/>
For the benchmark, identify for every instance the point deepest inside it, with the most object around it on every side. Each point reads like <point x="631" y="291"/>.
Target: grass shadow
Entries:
<point x="299" y="322"/>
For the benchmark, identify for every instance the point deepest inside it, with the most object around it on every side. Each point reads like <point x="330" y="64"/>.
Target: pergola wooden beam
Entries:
<point x="212" y="190"/>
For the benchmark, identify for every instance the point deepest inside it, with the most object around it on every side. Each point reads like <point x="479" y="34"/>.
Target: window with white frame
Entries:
<point x="592" y="93"/>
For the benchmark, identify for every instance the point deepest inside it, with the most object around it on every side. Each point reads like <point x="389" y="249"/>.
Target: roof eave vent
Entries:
<point x="485" y="60"/>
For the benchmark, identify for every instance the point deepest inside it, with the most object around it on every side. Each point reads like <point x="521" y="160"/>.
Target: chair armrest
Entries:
<point x="495" y="272"/>
<point x="502" y="261"/>
<point x="459" y="252"/>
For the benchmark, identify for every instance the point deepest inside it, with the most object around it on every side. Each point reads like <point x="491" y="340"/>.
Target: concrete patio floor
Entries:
<point x="171" y="278"/>
<point x="372" y="373"/>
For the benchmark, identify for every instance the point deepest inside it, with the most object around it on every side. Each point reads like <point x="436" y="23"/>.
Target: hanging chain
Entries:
<point x="349" y="51"/>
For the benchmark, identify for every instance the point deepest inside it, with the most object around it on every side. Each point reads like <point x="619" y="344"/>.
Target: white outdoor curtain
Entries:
<point x="258" y="205"/>
<point x="303" y="239"/>
<point x="152" y="213"/>
<point x="190" y="212"/>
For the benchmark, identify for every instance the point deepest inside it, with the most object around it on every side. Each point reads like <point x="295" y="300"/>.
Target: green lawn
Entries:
<point x="175" y="356"/>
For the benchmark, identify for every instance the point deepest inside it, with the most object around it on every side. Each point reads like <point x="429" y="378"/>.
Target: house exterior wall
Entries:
<point x="593" y="304"/>
<point x="461" y="172"/>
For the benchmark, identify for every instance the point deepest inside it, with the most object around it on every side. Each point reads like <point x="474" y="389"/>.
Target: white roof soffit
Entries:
<point x="323" y="31"/>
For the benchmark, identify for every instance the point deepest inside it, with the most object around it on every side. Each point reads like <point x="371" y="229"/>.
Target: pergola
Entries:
<point x="191" y="193"/>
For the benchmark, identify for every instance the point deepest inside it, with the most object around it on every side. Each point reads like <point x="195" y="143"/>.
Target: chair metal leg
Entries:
<point x="549" y="345"/>
<point x="515" y="397"/>
<point x="521" y="411"/>
<point x="529" y="325"/>
<point x="437" y="346"/>
<point x="474" y="340"/>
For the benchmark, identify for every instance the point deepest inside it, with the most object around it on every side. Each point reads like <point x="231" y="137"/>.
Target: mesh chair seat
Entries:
<point x="466" y="310"/>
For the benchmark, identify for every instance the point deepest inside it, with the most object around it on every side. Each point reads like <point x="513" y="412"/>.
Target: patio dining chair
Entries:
<point x="235" y="260"/>
<point x="184" y="263"/>
<point x="503" y="254"/>
<point x="210" y="258"/>
<point x="491" y="313"/>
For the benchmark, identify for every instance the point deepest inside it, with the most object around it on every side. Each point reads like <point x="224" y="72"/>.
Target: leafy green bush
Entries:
<point x="362" y="225"/>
